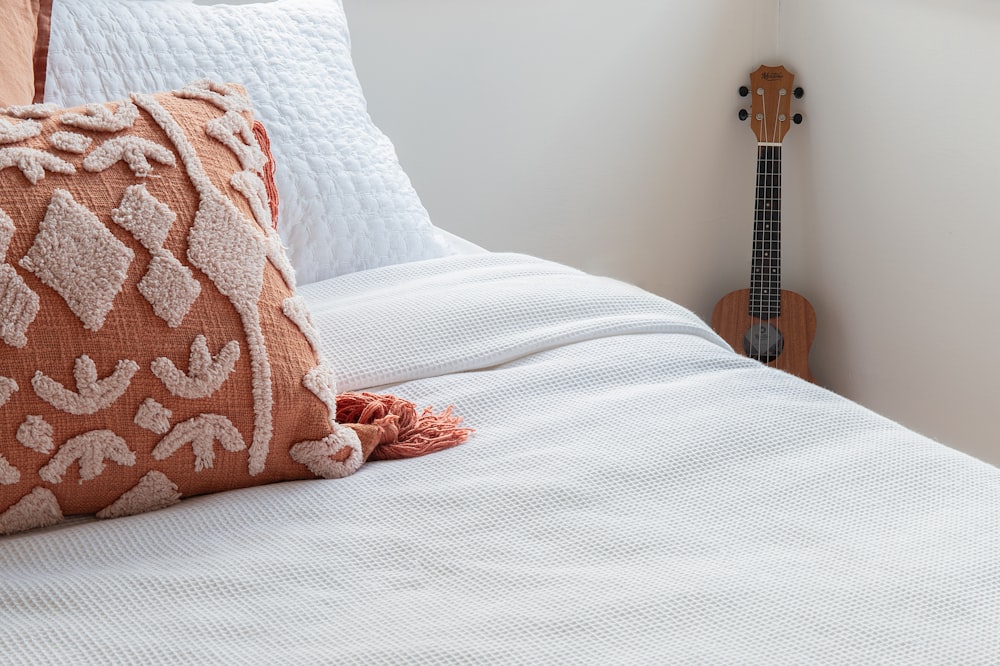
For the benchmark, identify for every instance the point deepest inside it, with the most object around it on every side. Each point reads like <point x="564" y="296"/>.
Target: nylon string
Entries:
<point x="775" y="215"/>
<point x="766" y="234"/>
<point x="761" y="154"/>
<point x="772" y="194"/>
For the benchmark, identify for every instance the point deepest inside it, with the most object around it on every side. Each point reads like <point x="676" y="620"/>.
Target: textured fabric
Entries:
<point x="267" y="175"/>
<point x="634" y="493"/>
<point x="151" y="343"/>
<point x="346" y="203"/>
<point x="41" y="54"/>
<point x="18" y="22"/>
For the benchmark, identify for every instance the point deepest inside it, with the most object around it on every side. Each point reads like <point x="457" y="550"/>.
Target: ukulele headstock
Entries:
<point x="771" y="91"/>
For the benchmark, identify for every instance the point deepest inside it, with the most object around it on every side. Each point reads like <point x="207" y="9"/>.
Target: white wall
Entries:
<point x="599" y="134"/>
<point x="899" y="187"/>
<point x="603" y="135"/>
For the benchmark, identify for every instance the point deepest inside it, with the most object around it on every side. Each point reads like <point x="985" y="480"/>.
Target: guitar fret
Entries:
<point x="765" y="274"/>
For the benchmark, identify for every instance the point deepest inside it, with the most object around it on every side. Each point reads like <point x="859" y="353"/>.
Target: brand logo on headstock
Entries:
<point x="773" y="76"/>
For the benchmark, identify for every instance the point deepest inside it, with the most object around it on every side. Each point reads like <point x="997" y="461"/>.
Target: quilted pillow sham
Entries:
<point x="347" y="205"/>
<point x="151" y="342"/>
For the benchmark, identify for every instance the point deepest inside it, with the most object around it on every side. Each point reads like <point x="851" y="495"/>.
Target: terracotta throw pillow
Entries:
<point x="151" y="342"/>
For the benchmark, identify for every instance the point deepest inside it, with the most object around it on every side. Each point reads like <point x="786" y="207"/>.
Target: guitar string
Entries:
<point x="769" y="225"/>
<point x="755" y="272"/>
<point x="771" y="295"/>
<point x="762" y="352"/>
<point x="771" y="216"/>
<point x="775" y="287"/>
<point x="761" y="249"/>
<point x="769" y="245"/>
<point x="769" y="313"/>
<point x="766" y="237"/>
<point x="774" y="296"/>
<point x="776" y="252"/>
<point x="775" y="249"/>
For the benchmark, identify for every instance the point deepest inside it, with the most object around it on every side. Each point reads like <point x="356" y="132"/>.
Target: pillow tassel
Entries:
<point x="403" y="432"/>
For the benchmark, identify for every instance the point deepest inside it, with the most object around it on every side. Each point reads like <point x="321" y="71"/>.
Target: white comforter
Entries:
<point x="634" y="493"/>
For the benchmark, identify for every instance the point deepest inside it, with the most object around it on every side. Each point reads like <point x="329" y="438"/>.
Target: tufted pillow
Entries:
<point x="151" y="342"/>
<point x="19" y="26"/>
<point x="346" y="203"/>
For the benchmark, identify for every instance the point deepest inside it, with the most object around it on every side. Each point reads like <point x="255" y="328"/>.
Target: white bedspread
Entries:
<point x="634" y="493"/>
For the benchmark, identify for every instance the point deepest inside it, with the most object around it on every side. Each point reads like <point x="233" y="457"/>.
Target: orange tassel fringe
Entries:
<point x="404" y="433"/>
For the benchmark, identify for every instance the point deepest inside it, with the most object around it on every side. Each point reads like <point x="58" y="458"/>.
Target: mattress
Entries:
<point x="634" y="492"/>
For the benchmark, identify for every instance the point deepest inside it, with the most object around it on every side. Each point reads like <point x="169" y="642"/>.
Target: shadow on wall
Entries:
<point x="899" y="199"/>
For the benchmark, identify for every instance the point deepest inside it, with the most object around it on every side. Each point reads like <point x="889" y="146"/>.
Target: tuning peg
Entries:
<point x="798" y="92"/>
<point x="797" y="119"/>
<point x="744" y="91"/>
<point x="744" y="114"/>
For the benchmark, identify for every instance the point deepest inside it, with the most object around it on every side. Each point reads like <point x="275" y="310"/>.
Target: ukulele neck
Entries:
<point x="765" y="274"/>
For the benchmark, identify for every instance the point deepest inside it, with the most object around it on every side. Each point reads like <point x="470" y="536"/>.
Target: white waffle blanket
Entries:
<point x="634" y="493"/>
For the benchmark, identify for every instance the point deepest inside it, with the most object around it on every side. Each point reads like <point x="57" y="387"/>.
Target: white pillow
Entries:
<point x="345" y="203"/>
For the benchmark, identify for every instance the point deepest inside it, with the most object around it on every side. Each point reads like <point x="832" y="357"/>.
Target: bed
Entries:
<point x="633" y="491"/>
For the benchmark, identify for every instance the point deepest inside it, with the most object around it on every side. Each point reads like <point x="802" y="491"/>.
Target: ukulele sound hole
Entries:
<point x="763" y="342"/>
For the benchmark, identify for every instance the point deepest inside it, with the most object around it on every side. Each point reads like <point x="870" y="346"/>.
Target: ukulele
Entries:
<point x="765" y="322"/>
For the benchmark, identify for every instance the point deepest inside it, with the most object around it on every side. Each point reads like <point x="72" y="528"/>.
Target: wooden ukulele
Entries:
<point x="765" y="322"/>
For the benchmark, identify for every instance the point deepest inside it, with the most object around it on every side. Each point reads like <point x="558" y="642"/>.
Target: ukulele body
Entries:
<point x="781" y="342"/>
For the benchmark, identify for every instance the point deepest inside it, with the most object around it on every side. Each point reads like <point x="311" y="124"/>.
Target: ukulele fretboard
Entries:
<point x="765" y="275"/>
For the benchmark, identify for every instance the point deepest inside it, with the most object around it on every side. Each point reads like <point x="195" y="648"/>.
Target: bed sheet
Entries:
<point x="634" y="493"/>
